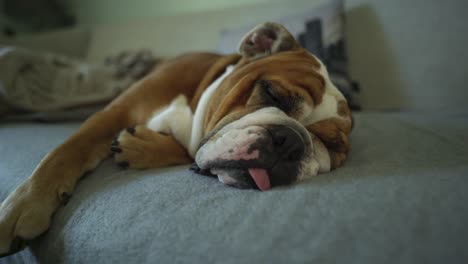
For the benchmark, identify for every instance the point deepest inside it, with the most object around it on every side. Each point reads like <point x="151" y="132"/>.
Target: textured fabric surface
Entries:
<point x="400" y="198"/>
<point x="72" y="42"/>
<point x="46" y="86"/>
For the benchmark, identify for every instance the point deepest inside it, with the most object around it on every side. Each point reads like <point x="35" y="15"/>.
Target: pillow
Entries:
<point x="321" y="31"/>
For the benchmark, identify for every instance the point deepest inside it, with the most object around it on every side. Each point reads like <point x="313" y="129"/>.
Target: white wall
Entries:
<point x="95" y="12"/>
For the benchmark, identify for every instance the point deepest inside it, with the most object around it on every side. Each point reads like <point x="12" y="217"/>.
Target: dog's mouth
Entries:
<point x="254" y="156"/>
<point x="244" y="178"/>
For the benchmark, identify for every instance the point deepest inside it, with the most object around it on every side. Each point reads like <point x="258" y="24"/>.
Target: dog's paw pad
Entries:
<point x="26" y="214"/>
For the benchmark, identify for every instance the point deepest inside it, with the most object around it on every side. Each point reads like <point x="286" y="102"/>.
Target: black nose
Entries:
<point x="287" y="143"/>
<point x="289" y="148"/>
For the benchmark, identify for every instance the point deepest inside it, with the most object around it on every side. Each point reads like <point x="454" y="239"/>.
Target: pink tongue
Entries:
<point x="260" y="176"/>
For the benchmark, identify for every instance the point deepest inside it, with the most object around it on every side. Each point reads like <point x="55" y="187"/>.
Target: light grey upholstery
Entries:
<point x="400" y="198"/>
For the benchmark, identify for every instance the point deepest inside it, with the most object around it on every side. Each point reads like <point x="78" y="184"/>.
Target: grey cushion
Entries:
<point x="400" y="198"/>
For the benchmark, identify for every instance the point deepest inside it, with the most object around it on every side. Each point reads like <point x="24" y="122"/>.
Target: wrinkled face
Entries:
<point x="259" y="128"/>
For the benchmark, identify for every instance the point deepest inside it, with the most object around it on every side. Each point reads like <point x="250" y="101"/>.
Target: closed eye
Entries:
<point x="277" y="96"/>
<point x="269" y="92"/>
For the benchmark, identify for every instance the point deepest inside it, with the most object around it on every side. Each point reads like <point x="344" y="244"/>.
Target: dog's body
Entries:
<point x="267" y="117"/>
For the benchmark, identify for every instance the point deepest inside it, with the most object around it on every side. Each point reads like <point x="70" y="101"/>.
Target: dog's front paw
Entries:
<point x="134" y="148"/>
<point x="24" y="215"/>
<point x="143" y="148"/>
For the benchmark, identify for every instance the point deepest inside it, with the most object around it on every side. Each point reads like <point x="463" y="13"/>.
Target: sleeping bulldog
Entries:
<point x="265" y="117"/>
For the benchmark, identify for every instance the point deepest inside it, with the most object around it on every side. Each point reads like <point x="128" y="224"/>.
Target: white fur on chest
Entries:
<point x="178" y="120"/>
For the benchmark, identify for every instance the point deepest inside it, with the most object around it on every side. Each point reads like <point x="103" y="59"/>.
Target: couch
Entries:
<point x="400" y="197"/>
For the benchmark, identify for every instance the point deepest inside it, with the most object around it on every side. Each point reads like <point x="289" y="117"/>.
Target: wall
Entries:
<point x="93" y="12"/>
<point x="409" y="55"/>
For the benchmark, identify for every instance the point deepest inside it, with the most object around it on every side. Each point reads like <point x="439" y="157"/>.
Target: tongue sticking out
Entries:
<point x="260" y="176"/>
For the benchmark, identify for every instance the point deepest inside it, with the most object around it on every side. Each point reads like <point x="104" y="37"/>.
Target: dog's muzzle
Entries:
<point x="261" y="150"/>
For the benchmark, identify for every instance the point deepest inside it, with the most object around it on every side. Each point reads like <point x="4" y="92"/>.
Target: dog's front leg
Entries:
<point x="27" y="211"/>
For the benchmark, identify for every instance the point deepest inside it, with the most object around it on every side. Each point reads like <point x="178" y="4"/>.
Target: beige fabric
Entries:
<point x="72" y="42"/>
<point x="34" y="82"/>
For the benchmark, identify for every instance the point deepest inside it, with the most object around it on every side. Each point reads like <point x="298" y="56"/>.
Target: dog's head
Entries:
<point x="267" y="122"/>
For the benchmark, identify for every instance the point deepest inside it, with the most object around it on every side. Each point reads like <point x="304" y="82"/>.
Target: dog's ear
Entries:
<point x="266" y="39"/>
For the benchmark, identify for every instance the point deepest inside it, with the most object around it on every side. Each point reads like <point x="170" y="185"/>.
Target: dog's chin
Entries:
<point x="238" y="178"/>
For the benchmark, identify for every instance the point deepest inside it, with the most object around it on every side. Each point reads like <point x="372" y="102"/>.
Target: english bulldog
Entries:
<point x="266" y="117"/>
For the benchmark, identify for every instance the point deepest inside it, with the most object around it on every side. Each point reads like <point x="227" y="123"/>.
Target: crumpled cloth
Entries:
<point x="51" y="87"/>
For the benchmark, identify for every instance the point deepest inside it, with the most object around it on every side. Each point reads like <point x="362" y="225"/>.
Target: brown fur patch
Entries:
<point x="334" y="133"/>
<point x="292" y="70"/>
<point x="343" y="109"/>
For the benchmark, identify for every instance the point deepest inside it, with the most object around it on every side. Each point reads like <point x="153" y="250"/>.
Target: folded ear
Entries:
<point x="266" y="39"/>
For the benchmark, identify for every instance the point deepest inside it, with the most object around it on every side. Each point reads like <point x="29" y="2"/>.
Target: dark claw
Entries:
<point x="131" y="130"/>
<point x="194" y="167"/>
<point x="86" y="173"/>
<point x="205" y="172"/>
<point x="17" y="245"/>
<point x="64" y="198"/>
<point x="115" y="149"/>
<point x="123" y="164"/>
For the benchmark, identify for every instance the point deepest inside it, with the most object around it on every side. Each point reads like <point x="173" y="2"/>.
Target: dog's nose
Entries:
<point x="287" y="143"/>
<point x="288" y="149"/>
